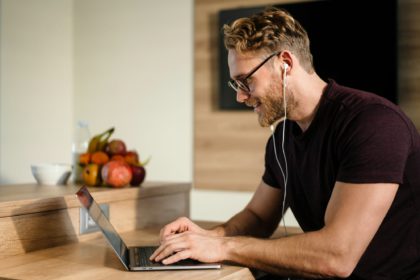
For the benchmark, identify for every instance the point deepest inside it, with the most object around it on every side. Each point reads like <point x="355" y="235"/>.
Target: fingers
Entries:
<point x="190" y="245"/>
<point x="168" y="248"/>
<point x="155" y="253"/>
<point x="179" y="225"/>
<point x="175" y="240"/>
<point x="181" y="255"/>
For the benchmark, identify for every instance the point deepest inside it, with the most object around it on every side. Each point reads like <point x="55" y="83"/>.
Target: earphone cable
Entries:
<point x="285" y="172"/>
<point x="284" y="153"/>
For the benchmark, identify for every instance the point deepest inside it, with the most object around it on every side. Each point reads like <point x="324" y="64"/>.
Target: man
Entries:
<point x="350" y="170"/>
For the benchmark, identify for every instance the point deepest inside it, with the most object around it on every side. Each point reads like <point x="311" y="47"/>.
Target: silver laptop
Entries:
<point x="133" y="258"/>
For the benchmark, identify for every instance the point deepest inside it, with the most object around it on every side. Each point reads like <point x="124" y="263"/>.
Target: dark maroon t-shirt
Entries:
<point x="355" y="137"/>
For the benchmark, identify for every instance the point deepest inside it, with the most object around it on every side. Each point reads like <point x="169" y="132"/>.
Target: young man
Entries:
<point x="350" y="169"/>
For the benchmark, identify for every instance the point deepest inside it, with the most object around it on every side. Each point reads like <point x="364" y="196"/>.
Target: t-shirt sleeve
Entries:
<point x="373" y="147"/>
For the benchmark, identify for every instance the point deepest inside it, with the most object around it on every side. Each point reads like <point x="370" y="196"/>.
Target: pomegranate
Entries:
<point x="116" y="174"/>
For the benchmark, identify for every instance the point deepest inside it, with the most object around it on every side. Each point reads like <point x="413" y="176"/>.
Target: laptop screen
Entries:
<point x="104" y="224"/>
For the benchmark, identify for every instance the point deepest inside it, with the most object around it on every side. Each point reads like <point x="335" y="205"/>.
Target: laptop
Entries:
<point x="132" y="258"/>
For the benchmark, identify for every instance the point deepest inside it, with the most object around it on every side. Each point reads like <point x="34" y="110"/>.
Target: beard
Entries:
<point x="271" y="104"/>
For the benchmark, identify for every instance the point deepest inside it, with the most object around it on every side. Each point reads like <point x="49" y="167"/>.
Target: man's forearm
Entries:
<point x="245" y="223"/>
<point x="309" y="255"/>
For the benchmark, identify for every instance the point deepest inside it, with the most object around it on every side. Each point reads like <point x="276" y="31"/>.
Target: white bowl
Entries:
<point x="51" y="173"/>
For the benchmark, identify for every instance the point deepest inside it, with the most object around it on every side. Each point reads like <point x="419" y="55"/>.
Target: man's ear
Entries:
<point x="287" y="59"/>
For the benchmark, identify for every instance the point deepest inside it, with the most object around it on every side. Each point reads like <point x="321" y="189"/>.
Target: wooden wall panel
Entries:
<point x="409" y="58"/>
<point x="229" y="146"/>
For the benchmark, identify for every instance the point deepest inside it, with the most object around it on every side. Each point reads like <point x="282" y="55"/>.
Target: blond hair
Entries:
<point x="271" y="30"/>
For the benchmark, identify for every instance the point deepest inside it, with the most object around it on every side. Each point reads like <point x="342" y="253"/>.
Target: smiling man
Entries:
<point x="346" y="162"/>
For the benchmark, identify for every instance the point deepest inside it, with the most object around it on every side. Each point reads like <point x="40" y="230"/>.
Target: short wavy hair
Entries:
<point x="271" y="30"/>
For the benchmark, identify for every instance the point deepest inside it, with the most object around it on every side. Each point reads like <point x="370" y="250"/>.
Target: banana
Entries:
<point x="104" y="142"/>
<point x="93" y="144"/>
<point x="99" y="144"/>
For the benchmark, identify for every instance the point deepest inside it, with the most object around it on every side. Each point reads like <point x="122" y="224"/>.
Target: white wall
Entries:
<point x="36" y="109"/>
<point x="109" y="62"/>
<point x="127" y="64"/>
<point x="133" y="70"/>
<point x="207" y="205"/>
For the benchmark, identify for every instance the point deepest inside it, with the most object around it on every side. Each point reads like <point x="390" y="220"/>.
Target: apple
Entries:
<point x="116" y="147"/>
<point x="116" y="174"/>
<point x="139" y="173"/>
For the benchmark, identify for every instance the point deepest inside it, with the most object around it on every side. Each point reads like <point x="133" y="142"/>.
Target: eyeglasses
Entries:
<point x="242" y="83"/>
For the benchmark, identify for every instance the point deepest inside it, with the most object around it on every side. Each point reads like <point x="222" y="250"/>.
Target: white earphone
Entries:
<point x="284" y="171"/>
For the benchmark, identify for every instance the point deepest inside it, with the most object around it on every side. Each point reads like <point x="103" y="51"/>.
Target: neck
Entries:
<point x="307" y="95"/>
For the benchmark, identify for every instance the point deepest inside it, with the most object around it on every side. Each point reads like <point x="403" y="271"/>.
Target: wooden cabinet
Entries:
<point x="36" y="217"/>
<point x="47" y="217"/>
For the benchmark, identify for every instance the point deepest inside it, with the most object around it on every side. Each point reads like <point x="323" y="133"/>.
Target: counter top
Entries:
<point x="94" y="259"/>
<point x="34" y="217"/>
<point x="40" y="238"/>
<point x="32" y="198"/>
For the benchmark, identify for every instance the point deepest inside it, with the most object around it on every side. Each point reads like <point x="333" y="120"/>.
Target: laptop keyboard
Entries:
<point x="142" y="254"/>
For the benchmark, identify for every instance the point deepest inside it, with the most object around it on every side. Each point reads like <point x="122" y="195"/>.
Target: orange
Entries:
<point x="132" y="158"/>
<point x="84" y="158"/>
<point x="99" y="158"/>
<point x="118" y="158"/>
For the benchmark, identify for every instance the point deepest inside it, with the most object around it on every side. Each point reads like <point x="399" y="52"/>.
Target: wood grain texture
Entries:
<point x="30" y="232"/>
<point x="409" y="58"/>
<point x="30" y="225"/>
<point x="229" y="146"/>
<point x="31" y="198"/>
<point x="156" y="211"/>
<point x="94" y="259"/>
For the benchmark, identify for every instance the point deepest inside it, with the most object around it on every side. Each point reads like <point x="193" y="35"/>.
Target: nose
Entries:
<point x="241" y="96"/>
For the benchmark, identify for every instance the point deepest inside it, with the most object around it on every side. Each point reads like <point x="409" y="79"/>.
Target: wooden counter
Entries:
<point x="36" y="217"/>
<point x="94" y="259"/>
<point x="40" y="237"/>
<point x="32" y="198"/>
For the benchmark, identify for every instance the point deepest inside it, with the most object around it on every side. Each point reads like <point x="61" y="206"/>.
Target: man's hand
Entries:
<point x="189" y="244"/>
<point x="183" y="239"/>
<point x="181" y="225"/>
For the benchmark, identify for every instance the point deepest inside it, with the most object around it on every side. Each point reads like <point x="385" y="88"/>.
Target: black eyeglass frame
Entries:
<point x="241" y="83"/>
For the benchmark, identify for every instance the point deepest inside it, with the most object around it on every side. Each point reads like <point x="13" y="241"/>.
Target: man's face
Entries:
<point x="265" y="86"/>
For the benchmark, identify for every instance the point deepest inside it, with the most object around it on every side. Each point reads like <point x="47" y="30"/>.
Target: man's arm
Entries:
<point x="353" y="216"/>
<point x="259" y="218"/>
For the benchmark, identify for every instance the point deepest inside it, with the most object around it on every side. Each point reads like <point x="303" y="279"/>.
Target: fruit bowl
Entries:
<point x="51" y="173"/>
<point x="108" y="162"/>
